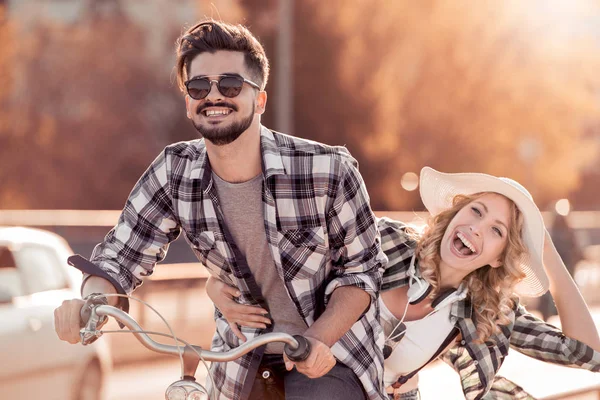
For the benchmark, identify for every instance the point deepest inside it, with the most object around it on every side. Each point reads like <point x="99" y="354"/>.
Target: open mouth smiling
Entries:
<point x="462" y="246"/>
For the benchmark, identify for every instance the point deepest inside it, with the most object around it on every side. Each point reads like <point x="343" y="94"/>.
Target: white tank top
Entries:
<point x="422" y="339"/>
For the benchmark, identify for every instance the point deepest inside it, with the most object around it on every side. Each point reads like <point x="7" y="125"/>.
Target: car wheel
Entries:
<point x="89" y="386"/>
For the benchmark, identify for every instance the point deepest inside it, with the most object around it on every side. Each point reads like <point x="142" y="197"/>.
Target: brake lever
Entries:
<point x="90" y="320"/>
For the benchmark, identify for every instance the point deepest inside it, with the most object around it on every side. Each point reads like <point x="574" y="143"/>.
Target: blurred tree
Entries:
<point x="104" y="8"/>
<point x="586" y="196"/>
<point x="496" y="87"/>
<point x="7" y="193"/>
<point x="71" y="134"/>
<point x="89" y="104"/>
<point x="88" y="114"/>
<point x="508" y="88"/>
<point x="263" y="22"/>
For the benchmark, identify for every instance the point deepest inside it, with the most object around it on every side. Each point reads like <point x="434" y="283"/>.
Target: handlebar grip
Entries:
<point x="301" y="353"/>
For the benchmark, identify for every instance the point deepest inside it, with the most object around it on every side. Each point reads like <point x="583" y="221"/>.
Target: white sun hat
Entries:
<point x="438" y="190"/>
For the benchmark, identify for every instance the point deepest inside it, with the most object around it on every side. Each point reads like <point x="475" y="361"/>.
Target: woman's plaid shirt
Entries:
<point x="477" y="364"/>
<point x="319" y="225"/>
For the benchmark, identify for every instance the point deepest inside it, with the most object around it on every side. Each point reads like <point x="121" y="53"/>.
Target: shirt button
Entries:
<point x="463" y="342"/>
<point x="476" y="362"/>
<point x="266" y="374"/>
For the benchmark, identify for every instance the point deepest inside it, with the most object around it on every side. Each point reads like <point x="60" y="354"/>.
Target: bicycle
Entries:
<point x="96" y="310"/>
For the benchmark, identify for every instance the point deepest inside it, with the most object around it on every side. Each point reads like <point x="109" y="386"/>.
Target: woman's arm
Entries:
<point x="535" y="338"/>
<point x="223" y="296"/>
<point x="573" y="312"/>
<point x="577" y="344"/>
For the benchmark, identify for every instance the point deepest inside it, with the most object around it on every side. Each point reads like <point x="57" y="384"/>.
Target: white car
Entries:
<point x="34" y="364"/>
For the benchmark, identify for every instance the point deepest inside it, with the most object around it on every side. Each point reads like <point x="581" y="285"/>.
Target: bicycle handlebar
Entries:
<point x="297" y="347"/>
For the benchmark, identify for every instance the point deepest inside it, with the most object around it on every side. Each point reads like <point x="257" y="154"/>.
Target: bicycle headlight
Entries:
<point x="175" y="393"/>
<point x="197" y="395"/>
<point x="186" y="389"/>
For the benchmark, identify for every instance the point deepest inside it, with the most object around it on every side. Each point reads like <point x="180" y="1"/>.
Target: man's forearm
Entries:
<point x="346" y="305"/>
<point x="96" y="284"/>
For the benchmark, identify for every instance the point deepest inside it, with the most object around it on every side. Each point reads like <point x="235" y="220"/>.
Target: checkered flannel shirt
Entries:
<point x="477" y="364"/>
<point x="319" y="225"/>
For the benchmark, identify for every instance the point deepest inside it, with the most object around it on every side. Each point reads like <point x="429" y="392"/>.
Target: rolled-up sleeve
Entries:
<point x="354" y="240"/>
<point x="144" y="230"/>
<point x="537" y="339"/>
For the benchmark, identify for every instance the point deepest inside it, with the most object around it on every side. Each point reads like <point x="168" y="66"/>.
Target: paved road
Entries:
<point x="148" y="381"/>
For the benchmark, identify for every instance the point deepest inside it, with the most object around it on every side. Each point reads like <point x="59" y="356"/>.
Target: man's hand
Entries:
<point x="67" y="320"/>
<point x="319" y="362"/>
<point x="236" y="314"/>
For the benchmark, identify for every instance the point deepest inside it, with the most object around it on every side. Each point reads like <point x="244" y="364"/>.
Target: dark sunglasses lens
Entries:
<point x="198" y="88"/>
<point x="230" y="86"/>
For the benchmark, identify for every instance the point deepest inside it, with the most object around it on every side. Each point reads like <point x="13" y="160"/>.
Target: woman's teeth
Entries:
<point x="466" y="242"/>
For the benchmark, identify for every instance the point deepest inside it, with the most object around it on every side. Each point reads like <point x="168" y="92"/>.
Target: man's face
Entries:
<point x="220" y="119"/>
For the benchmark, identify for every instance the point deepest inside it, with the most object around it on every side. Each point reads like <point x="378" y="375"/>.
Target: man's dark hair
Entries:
<point x="211" y="36"/>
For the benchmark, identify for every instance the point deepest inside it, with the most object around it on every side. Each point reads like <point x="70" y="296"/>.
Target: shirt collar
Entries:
<point x="200" y="164"/>
<point x="462" y="308"/>
<point x="272" y="160"/>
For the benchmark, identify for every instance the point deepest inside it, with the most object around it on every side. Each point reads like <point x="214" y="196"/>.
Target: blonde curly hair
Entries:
<point x="491" y="289"/>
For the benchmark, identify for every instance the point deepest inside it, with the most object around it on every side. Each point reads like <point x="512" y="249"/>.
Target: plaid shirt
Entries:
<point x="321" y="232"/>
<point x="477" y="364"/>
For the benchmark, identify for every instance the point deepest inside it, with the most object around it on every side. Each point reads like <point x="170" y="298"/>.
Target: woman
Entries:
<point x="452" y="290"/>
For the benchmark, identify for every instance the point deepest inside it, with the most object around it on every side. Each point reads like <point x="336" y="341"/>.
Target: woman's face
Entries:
<point x="477" y="235"/>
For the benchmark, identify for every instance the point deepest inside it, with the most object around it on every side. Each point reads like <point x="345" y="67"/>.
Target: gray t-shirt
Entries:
<point x="242" y="207"/>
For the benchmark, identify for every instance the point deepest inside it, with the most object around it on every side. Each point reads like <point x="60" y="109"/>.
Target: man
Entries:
<point x="287" y="221"/>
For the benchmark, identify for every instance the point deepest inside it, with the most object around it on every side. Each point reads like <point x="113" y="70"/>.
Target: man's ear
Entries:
<point x="261" y="102"/>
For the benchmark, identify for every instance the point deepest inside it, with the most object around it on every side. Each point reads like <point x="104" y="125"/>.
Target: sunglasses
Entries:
<point x="228" y="85"/>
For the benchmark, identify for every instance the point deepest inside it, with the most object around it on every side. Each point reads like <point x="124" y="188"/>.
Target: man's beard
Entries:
<point x="225" y="135"/>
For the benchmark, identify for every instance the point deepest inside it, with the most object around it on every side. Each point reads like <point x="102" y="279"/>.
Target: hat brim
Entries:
<point x="438" y="190"/>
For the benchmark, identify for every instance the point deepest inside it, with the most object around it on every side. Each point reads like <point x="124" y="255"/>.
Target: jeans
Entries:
<point x="340" y="383"/>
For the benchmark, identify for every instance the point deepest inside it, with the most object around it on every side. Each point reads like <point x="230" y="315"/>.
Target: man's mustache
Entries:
<point x="206" y="105"/>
